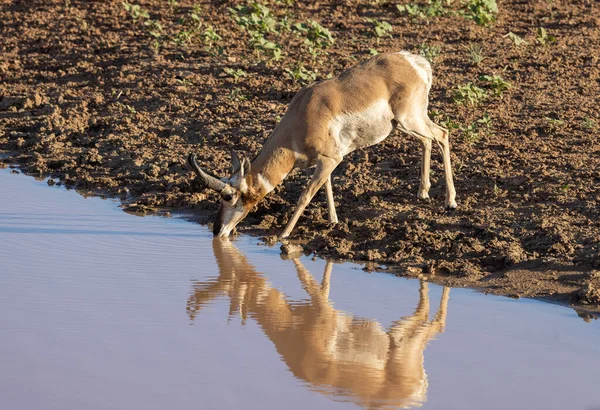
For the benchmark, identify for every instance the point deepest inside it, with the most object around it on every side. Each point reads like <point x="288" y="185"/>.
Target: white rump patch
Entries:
<point x="421" y="66"/>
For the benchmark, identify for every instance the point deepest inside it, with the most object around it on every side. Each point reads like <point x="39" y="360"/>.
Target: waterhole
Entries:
<point x="100" y="309"/>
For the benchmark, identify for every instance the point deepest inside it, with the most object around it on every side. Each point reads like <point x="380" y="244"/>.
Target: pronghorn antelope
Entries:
<point x="334" y="351"/>
<point x="327" y="120"/>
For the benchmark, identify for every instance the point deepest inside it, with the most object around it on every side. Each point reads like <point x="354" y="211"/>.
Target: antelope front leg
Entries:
<point x="425" y="165"/>
<point x="330" y="204"/>
<point x="325" y="166"/>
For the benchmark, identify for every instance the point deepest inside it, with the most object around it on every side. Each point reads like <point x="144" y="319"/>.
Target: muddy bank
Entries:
<point x="111" y="100"/>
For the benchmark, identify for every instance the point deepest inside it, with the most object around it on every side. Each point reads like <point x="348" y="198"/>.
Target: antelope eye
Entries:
<point x="227" y="197"/>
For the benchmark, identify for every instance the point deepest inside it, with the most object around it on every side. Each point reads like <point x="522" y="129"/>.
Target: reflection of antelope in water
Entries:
<point x="333" y="351"/>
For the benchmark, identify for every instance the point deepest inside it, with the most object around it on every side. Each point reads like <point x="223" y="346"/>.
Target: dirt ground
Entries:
<point x="110" y="100"/>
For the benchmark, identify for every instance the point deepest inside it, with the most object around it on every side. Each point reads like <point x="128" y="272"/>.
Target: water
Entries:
<point x="104" y="310"/>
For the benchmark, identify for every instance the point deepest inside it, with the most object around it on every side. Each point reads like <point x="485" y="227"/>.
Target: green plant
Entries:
<point x="450" y="124"/>
<point x="496" y="83"/>
<point x="235" y="94"/>
<point x="476" y="53"/>
<point x="485" y="121"/>
<point x="381" y="29"/>
<point x="210" y="37"/>
<point x="316" y="34"/>
<point x="553" y="123"/>
<point x="255" y="18"/>
<point x="469" y="94"/>
<point x="301" y="75"/>
<point x="431" y="53"/>
<point x="373" y="51"/>
<point x="470" y="133"/>
<point x="434" y="8"/>
<point x="236" y="74"/>
<point x="269" y="48"/>
<point x="543" y="37"/>
<point x="183" y="37"/>
<point x="517" y="41"/>
<point x="318" y="38"/>
<point x="259" y="22"/>
<point x="155" y="29"/>
<point x="589" y="123"/>
<point x="135" y="11"/>
<point x="482" y="12"/>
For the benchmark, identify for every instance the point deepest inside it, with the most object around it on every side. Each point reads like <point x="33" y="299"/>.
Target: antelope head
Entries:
<point x="238" y="196"/>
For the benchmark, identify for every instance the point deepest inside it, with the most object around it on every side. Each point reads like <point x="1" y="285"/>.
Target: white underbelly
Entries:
<point x="362" y="129"/>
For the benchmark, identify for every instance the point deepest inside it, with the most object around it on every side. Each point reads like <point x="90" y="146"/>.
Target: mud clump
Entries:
<point x="107" y="103"/>
<point x="587" y="295"/>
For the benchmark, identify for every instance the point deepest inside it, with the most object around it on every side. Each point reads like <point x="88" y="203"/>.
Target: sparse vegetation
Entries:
<point x="496" y="84"/>
<point x="301" y="75"/>
<point x="543" y="38"/>
<point x="433" y="8"/>
<point x="380" y="29"/>
<point x="235" y="73"/>
<point x="589" y="123"/>
<point x="469" y="94"/>
<point x="135" y="11"/>
<point x="482" y="12"/>
<point x="517" y="41"/>
<point x="431" y="53"/>
<point x="476" y="53"/>
<point x="317" y="37"/>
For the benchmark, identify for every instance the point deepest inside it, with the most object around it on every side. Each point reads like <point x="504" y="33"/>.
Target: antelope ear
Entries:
<point x="245" y="166"/>
<point x="235" y="162"/>
<point x="239" y="164"/>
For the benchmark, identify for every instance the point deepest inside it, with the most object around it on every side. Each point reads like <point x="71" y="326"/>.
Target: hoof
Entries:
<point x="450" y="209"/>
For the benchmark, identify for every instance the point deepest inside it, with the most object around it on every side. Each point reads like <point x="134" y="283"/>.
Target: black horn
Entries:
<point x="211" y="181"/>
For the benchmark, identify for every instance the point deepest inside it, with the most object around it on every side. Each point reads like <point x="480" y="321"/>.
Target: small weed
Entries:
<point x="589" y="123"/>
<point x="497" y="191"/>
<point x="485" y="121"/>
<point x="316" y="34"/>
<point x="553" y="124"/>
<point x="543" y="38"/>
<point x="373" y="52"/>
<point x="301" y="75"/>
<point x="183" y="37"/>
<point x="434" y="8"/>
<point x="431" y="53"/>
<point x="496" y="83"/>
<point x="269" y="48"/>
<point x="235" y="73"/>
<point x="470" y="133"/>
<point x="127" y="107"/>
<point x="235" y="94"/>
<point x="469" y="94"/>
<point x="476" y="53"/>
<point x="381" y="29"/>
<point x="210" y="37"/>
<point x="450" y="124"/>
<point x="135" y="11"/>
<point x="259" y="22"/>
<point x="255" y="18"/>
<point x="155" y="29"/>
<point x="482" y="12"/>
<point x="517" y="41"/>
<point x="318" y="38"/>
